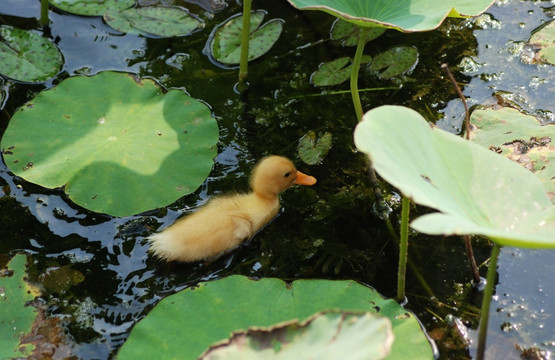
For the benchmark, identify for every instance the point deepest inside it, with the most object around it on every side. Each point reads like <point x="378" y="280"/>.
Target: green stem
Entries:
<point x="354" y="73"/>
<point x="245" y="34"/>
<point x="488" y="294"/>
<point x="403" y="249"/>
<point x="44" y="12"/>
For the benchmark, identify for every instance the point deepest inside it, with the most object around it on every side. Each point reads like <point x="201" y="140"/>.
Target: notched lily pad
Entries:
<point x="336" y="71"/>
<point x="520" y="138"/>
<point x="27" y="56"/>
<point x="349" y="32"/>
<point x="117" y="144"/>
<point x="156" y="20"/>
<point x="326" y="335"/>
<point x="395" y="61"/>
<point x="544" y="40"/>
<point x="224" y="44"/>
<point x="311" y="150"/>
<point x="91" y="7"/>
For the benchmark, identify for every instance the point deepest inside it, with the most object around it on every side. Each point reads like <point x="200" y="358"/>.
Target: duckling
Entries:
<point x="226" y="221"/>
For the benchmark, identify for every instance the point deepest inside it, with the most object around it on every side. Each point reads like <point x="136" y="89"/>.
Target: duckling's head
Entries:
<point x="275" y="174"/>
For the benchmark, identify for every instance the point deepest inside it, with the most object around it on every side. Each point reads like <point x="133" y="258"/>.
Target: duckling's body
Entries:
<point x="224" y="222"/>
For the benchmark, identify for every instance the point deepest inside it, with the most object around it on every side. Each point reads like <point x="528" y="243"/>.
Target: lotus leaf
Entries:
<point x="16" y="318"/>
<point x="225" y="42"/>
<point x="91" y="7"/>
<point x="327" y="335"/>
<point x="185" y="324"/>
<point x="157" y="20"/>
<point x="116" y="143"/>
<point x="312" y="151"/>
<point x="545" y="39"/>
<point x="403" y="15"/>
<point x="475" y="190"/>
<point x="520" y="138"/>
<point x="27" y="56"/>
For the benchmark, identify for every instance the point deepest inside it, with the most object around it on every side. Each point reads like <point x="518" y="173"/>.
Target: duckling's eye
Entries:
<point x="287" y="174"/>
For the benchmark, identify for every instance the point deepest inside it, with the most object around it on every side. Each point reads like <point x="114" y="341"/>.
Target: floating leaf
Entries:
<point x="156" y="20"/>
<point x="520" y="138"/>
<point x="335" y="72"/>
<point x="16" y="319"/>
<point x="215" y="309"/>
<point x="327" y="335"/>
<point x="475" y="190"/>
<point x="350" y="32"/>
<point x="91" y="7"/>
<point x="27" y="56"/>
<point x="545" y="40"/>
<point x="313" y="151"/>
<point x="117" y="144"/>
<point x="225" y="41"/>
<point x="395" y="61"/>
<point x="403" y="15"/>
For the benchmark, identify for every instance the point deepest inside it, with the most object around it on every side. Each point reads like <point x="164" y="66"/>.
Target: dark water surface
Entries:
<point x="326" y="231"/>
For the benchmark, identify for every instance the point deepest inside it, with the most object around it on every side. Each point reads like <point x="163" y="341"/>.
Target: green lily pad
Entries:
<point x="156" y="20"/>
<point x="520" y="138"/>
<point x="27" y="56"/>
<point x="116" y="143"/>
<point x="91" y="7"/>
<point x="336" y="71"/>
<point x="475" y="190"/>
<point x="16" y="319"/>
<point x="403" y="15"/>
<point x="395" y="61"/>
<point x="313" y="151"/>
<point x="225" y="42"/>
<point x="327" y="335"/>
<point x="350" y="32"/>
<point x="185" y="324"/>
<point x="545" y="40"/>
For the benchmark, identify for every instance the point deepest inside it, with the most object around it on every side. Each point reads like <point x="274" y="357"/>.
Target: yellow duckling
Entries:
<point x="224" y="222"/>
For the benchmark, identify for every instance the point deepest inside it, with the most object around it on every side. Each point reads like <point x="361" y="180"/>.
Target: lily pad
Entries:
<point x="156" y="20"/>
<point x="475" y="190"/>
<point x="350" y="32"/>
<point x="403" y="15"/>
<point x="520" y="138"/>
<point x="311" y="150"/>
<point x="395" y="61"/>
<point x="91" y="7"/>
<point x="336" y="71"/>
<point x="27" y="56"/>
<point x="225" y="42"/>
<point x="16" y="319"/>
<point x="115" y="143"/>
<point x="545" y="40"/>
<point x="327" y="335"/>
<point x="185" y="324"/>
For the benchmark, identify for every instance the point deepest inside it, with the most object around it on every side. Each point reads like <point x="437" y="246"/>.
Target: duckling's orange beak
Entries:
<point x="303" y="179"/>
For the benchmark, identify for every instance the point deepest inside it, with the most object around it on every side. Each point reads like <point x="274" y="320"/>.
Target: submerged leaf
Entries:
<point x="395" y="61"/>
<point x="27" y="56"/>
<point x="475" y="190"/>
<point x="311" y="150"/>
<point x="116" y="143"/>
<point x="327" y="335"/>
<point x="350" y="32"/>
<point x="214" y="309"/>
<point x="225" y="42"/>
<point x="335" y="72"/>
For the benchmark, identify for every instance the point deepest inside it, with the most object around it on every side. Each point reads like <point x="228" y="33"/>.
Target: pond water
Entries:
<point x="326" y="231"/>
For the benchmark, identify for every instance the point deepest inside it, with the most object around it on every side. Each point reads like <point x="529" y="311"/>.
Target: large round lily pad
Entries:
<point x="27" y="56"/>
<point x="403" y="15"/>
<point x="116" y="143"/>
<point x="185" y="324"/>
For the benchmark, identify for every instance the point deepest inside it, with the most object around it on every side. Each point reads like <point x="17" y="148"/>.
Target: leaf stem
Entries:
<point x="459" y="92"/>
<point x="245" y="35"/>
<point x="488" y="294"/>
<point x="403" y="249"/>
<point x="354" y="74"/>
<point x="44" y="12"/>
